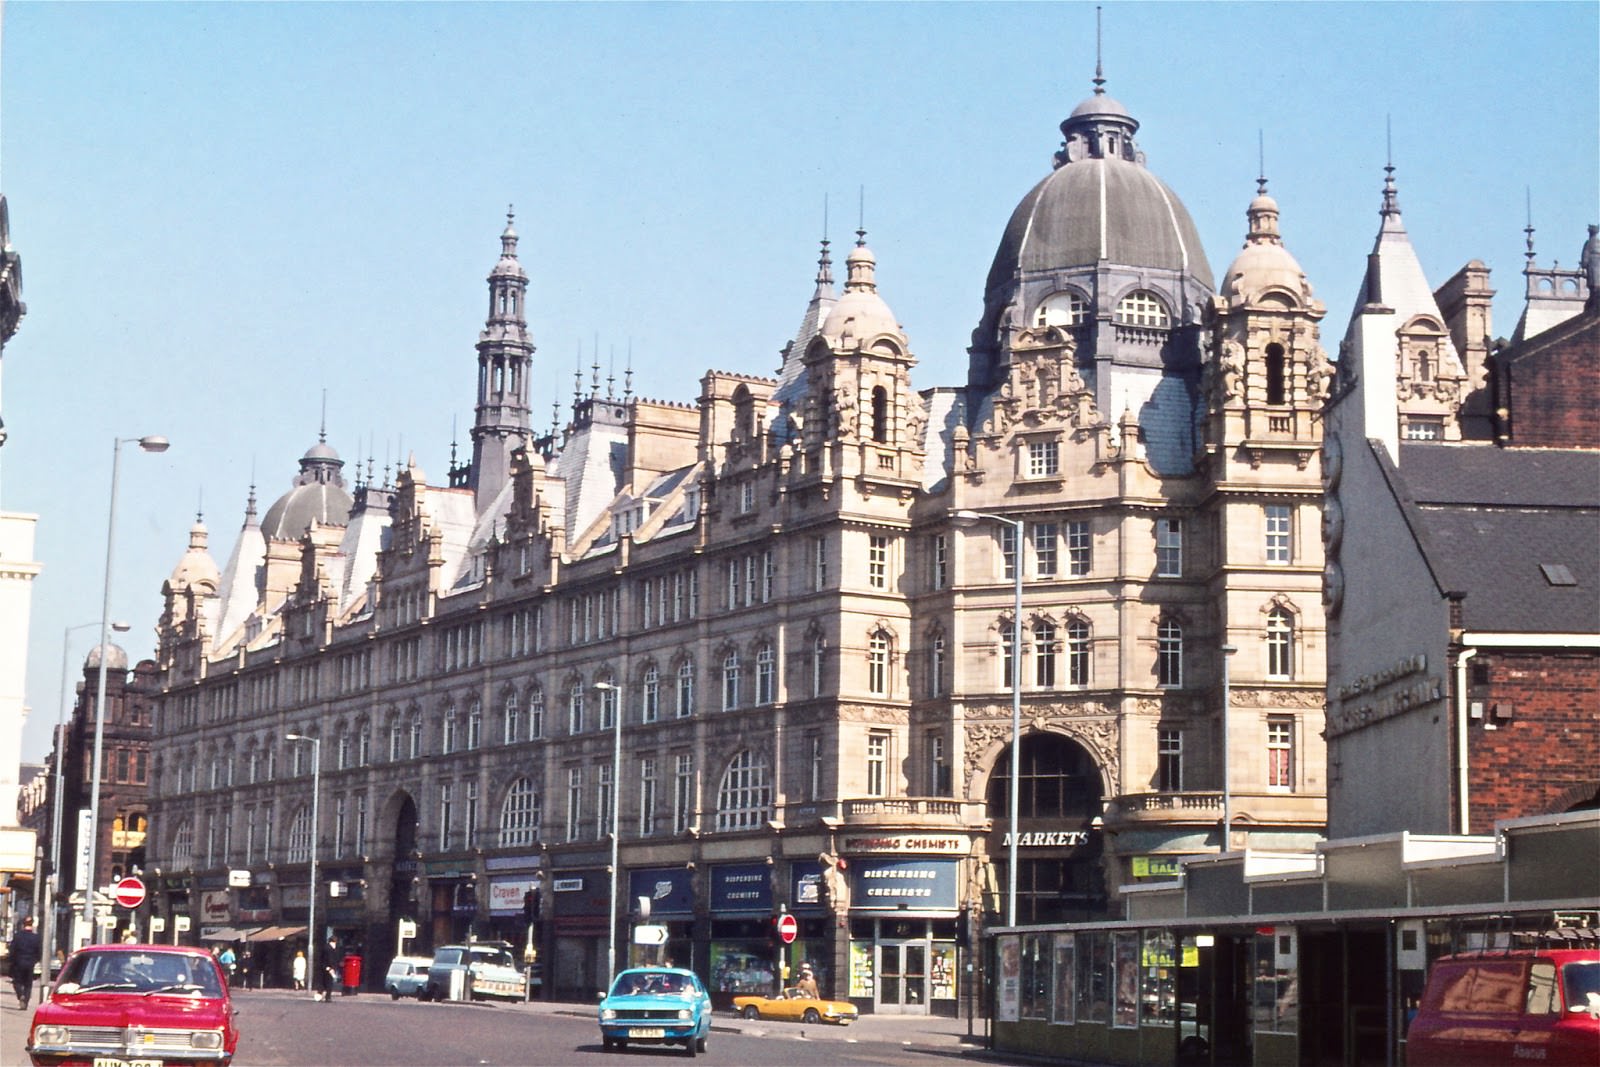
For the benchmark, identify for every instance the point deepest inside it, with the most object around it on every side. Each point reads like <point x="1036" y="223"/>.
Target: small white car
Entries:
<point x="407" y="976"/>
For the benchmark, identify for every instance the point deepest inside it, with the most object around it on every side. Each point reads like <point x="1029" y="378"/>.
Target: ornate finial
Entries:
<point x="555" y="418"/>
<point x="824" y="262"/>
<point x="250" y="502"/>
<point x="1391" y="200"/>
<point x="577" y="377"/>
<point x="322" y="431"/>
<point x="861" y="217"/>
<point x="1261" y="163"/>
<point x="611" y="373"/>
<point x="452" y="442"/>
<point x="1528" y="229"/>
<point x="594" y="372"/>
<point x="1099" y="70"/>
<point x="627" y="375"/>
<point x="200" y="505"/>
<point x="511" y="214"/>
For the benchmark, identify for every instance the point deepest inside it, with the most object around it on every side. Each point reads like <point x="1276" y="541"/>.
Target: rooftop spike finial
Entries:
<point x="322" y="431"/>
<point x="1528" y="229"/>
<point x="1261" y="163"/>
<point x="611" y="373"/>
<point x="1099" y="69"/>
<point x="511" y="214"/>
<point x="861" y="216"/>
<point x="1391" y="200"/>
<point x="627" y="375"/>
<point x="577" y="376"/>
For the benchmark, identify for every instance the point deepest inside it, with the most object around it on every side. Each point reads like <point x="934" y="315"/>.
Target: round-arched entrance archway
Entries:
<point x="1060" y="874"/>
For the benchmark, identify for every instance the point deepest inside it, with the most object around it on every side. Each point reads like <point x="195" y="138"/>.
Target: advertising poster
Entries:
<point x="1010" y="950"/>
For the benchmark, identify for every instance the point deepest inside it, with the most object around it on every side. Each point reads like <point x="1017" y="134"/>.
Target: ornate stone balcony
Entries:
<point x="942" y="813"/>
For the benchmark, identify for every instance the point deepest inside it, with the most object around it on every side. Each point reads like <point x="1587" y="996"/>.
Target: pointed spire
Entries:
<point x="250" y="505"/>
<point x="1391" y="200"/>
<point x="1099" y="69"/>
<point x="508" y="236"/>
<point x="1528" y="229"/>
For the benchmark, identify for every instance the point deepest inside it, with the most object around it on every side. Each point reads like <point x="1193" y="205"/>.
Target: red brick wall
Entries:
<point x="1547" y="753"/>
<point x="1555" y="391"/>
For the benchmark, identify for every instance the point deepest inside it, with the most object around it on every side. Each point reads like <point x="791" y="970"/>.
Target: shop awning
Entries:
<point x="276" y="933"/>
<point x="228" y="933"/>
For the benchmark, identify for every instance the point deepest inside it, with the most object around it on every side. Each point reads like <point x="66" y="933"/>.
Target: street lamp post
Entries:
<point x="149" y="444"/>
<point x="1227" y="698"/>
<point x="616" y="823"/>
<point x="53" y="882"/>
<point x="964" y="518"/>
<point x="311" y="916"/>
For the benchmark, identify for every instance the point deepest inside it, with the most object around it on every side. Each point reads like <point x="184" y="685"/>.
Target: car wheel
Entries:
<point x="700" y="1044"/>
<point x="752" y="1012"/>
<point x="688" y="1047"/>
<point x="811" y="1016"/>
<point x="394" y="994"/>
<point x="622" y="1043"/>
<point x="609" y="1043"/>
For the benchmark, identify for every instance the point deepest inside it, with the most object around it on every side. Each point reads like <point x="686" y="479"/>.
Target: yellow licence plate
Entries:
<point x="640" y="1032"/>
<point x="113" y="1061"/>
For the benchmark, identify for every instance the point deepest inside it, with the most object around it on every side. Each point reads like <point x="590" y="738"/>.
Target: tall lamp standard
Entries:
<point x="615" y="698"/>
<point x="1227" y="698"/>
<point x="967" y="518"/>
<point x="311" y="916"/>
<point x="53" y="882"/>
<point x="149" y="444"/>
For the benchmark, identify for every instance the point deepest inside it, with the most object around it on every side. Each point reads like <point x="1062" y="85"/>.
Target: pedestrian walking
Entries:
<point x="228" y="961"/>
<point x="300" y="970"/>
<point x="23" y="952"/>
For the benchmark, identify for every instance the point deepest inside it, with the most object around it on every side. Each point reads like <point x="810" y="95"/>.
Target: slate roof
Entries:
<point x="1490" y="520"/>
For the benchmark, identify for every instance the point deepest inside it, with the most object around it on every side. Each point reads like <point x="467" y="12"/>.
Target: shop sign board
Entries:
<point x="906" y="844"/>
<point x="916" y="884"/>
<point x="670" y="890"/>
<point x="741" y="887"/>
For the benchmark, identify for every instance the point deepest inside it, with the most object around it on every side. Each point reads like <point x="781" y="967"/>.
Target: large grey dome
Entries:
<point x="318" y="496"/>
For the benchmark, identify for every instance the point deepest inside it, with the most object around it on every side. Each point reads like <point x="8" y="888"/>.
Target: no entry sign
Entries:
<point x="129" y="893"/>
<point x="787" y="928"/>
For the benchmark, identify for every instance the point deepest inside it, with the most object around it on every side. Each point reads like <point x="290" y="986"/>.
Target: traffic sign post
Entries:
<point x="788" y="928"/>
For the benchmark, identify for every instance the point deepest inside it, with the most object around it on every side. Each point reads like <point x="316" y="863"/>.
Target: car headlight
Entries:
<point x="685" y="1013"/>
<point x="49" y="1035"/>
<point x="608" y="1014"/>
<point x="206" y="1039"/>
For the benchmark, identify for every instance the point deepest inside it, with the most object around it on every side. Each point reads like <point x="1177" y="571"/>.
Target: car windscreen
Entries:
<point x="140" y="972"/>
<point x="1581" y="983"/>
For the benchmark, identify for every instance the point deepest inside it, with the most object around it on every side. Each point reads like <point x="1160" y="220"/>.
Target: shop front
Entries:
<point x="744" y="954"/>
<point x="813" y="945"/>
<point x="516" y="906"/>
<point x="663" y="897"/>
<point x="903" y="922"/>
<point x="581" y="902"/>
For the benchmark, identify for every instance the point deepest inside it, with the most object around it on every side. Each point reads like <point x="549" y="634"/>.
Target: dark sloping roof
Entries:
<point x="1490" y="520"/>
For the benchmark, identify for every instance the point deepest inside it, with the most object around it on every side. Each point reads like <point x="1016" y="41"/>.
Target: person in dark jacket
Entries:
<point x="22" y="955"/>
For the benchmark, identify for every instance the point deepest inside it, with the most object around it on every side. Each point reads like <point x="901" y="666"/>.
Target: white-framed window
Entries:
<point x="819" y="654"/>
<point x="1280" y="752"/>
<point x="750" y="582"/>
<point x="650" y="699"/>
<point x="939" y="553"/>
<point x="475" y="726"/>
<point x="647" y="796"/>
<point x="819" y="564"/>
<point x="938" y="763"/>
<point x="574" y="803"/>
<point x="1080" y="549"/>
<point x="878" y="663"/>
<point x="1046" y="536"/>
<point x="1280" y="644"/>
<point x="519" y="814"/>
<point x="1143" y="308"/>
<point x="730" y="681"/>
<point x="878" y="561"/>
<point x="470" y="824"/>
<point x="1169" y="548"/>
<point x="732" y="599"/>
<point x="936" y="665"/>
<point x="446" y="814"/>
<point x="1061" y="308"/>
<point x="1169" y="654"/>
<point x="608" y="707"/>
<point x="1007" y="653"/>
<point x="1078" y="652"/>
<point x="340" y="824"/>
<point x="535" y="713"/>
<point x="361" y="824"/>
<point x="744" y="798"/>
<point x="683" y="793"/>
<point x="766" y="675"/>
<point x="769" y="575"/>
<point x="685" y="689"/>
<point x="877" y="764"/>
<point x="1169" y="760"/>
<point x="814" y="745"/>
<point x="605" y="795"/>
<point x="1279" y="527"/>
<point x="747" y="497"/>
<point x="1424" y="428"/>
<point x="1044" y="655"/>
<point x="511" y="720"/>
<point x="575" y="708"/>
<point x="1044" y="458"/>
<point x="1008" y="551"/>
<point x="415" y="746"/>
<point x="447" y="743"/>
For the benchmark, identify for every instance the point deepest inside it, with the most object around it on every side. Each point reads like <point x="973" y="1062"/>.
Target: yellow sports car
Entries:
<point x="796" y="1006"/>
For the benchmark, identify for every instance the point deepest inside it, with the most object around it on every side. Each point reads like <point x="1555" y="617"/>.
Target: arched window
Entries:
<point x="650" y="700"/>
<point x="1277" y="374"/>
<point x="1169" y="654"/>
<point x="447" y="741"/>
<point x="363" y="742"/>
<point x="766" y="675"/>
<point x="300" y="836"/>
<point x="1044" y="655"/>
<point x="1143" y="308"/>
<point x="880" y="414"/>
<point x="1061" y="308"/>
<point x="1280" y="643"/>
<point x="415" y="740"/>
<point x="475" y="725"/>
<point x="511" y="719"/>
<point x="1424" y="366"/>
<point x="1078" y="652"/>
<point x="535" y="713"/>
<point x="397" y="739"/>
<point x="575" y="708"/>
<point x="183" y="846"/>
<point x="519" y="815"/>
<point x="744" y="799"/>
<point x="1059" y="781"/>
<point x="344" y="748"/>
<point x="685" y="689"/>
<point x="730" y="681"/>
<point x="878" y="663"/>
<point x="819" y="655"/>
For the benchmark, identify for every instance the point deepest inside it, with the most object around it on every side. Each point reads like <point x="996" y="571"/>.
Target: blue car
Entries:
<point x="656" y="1006"/>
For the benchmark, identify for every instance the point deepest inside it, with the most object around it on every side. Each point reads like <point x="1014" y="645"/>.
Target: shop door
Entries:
<point x="902" y="978"/>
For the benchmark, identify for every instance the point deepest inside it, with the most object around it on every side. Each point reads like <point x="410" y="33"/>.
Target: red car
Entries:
<point x="135" y="1006"/>
<point x="1496" y="1008"/>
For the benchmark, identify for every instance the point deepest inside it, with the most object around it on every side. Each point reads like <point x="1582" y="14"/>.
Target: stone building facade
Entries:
<point x="761" y="634"/>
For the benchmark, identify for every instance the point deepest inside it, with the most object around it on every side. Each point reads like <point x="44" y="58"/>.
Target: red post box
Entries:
<point x="352" y="973"/>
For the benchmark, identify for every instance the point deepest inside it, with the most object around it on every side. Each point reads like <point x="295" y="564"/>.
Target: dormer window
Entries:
<point x="1065" y="309"/>
<point x="1143" y="308"/>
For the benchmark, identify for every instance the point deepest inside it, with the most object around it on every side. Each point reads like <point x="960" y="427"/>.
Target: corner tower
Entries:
<point x="505" y="354"/>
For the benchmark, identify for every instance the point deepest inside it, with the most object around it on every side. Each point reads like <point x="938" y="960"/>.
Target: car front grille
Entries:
<point x="132" y="1041"/>
<point x="650" y="1015"/>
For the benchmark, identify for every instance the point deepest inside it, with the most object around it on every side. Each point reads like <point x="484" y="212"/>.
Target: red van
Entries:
<point x="1509" y="1007"/>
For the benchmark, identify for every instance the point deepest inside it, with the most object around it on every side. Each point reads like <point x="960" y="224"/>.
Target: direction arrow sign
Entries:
<point x="788" y="928"/>
<point x="649" y="935"/>
<point x="130" y="893"/>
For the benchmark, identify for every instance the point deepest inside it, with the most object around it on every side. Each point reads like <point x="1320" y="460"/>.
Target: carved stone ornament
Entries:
<point x="985" y="740"/>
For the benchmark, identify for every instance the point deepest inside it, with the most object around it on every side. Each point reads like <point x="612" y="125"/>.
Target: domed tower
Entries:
<point x="1104" y="250"/>
<point x="505" y="354"/>
<point x="319" y="495"/>
<point x="191" y="598"/>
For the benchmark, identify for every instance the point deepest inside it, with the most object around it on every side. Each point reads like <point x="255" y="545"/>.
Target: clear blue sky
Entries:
<point x="225" y="209"/>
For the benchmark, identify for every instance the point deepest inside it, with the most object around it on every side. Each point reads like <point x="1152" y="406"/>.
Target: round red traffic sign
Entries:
<point x="129" y="893"/>
<point x="788" y="929"/>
